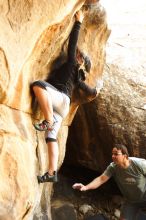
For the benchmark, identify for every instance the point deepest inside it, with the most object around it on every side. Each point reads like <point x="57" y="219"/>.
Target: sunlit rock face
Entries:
<point x="32" y="35"/>
<point x="118" y="115"/>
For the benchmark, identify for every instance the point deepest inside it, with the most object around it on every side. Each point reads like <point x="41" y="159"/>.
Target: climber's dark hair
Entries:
<point x="87" y="64"/>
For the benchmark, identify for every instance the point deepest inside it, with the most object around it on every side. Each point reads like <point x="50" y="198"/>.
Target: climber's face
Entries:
<point x="82" y="72"/>
<point x="81" y="62"/>
<point x="79" y="57"/>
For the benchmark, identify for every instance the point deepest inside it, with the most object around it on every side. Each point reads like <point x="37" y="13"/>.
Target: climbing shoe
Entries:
<point x="48" y="178"/>
<point x="43" y="126"/>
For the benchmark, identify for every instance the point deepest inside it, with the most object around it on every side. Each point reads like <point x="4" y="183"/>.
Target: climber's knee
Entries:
<point x="51" y="136"/>
<point x="50" y="140"/>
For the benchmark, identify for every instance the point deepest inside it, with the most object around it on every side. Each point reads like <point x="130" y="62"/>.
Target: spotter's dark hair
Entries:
<point x="123" y="148"/>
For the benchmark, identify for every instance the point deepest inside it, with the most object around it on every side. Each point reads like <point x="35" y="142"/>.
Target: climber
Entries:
<point x="130" y="176"/>
<point x="54" y="94"/>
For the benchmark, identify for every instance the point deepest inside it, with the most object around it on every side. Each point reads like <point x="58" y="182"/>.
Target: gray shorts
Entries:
<point x="60" y="102"/>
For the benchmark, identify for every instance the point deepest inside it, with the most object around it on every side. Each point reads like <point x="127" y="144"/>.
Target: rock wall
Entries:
<point x="32" y="35"/>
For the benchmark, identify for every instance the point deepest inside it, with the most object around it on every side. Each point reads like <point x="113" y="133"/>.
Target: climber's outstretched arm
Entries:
<point x="72" y="46"/>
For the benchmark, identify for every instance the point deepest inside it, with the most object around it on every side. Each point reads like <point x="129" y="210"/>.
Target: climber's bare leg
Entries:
<point x="45" y="102"/>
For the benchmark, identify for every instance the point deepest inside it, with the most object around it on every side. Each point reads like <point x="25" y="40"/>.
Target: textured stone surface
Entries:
<point x="63" y="210"/>
<point x="31" y="36"/>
